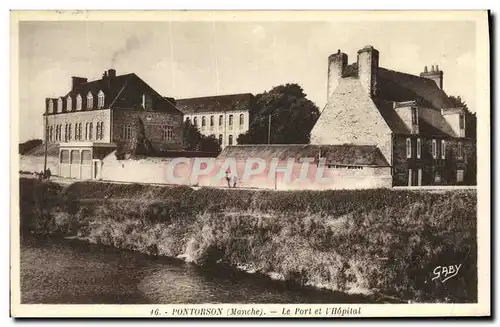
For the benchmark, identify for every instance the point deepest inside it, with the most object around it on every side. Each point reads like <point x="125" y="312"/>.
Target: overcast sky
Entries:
<point x="191" y="59"/>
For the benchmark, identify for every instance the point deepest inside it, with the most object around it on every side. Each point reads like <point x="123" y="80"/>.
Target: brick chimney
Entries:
<point x="111" y="73"/>
<point x="434" y="74"/>
<point x="77" y="81"/>
<point x="336" y="65"/>
<point x="368" y="69"/>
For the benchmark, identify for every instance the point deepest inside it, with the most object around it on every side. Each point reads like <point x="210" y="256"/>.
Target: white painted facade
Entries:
<point x="226" y="126"/>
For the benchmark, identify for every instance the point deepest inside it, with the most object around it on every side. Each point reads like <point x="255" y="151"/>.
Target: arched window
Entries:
<point x="86" y="131"/>
<point x="100" y="100"/>
<point x="220" y="120"/>
<point x="211" y="120"/>
<point x="203" y="121"/>
<point x="65" y="132"/>
<point x="80" y="131"/>
<point x="230" y="120"/>
<point x="220" y="139"/>
<point x="78" y="102"/>
<point x="69" y="132"/>
<point x="242" y="120"/>
<point x="69" y="104"/>
<point x="188" y="120"/>
<point x="90" y="101"/>
<point x="230" y="140"/>
<point x="90" y="131"/>
<point x="59" y="105"/>
<point x="195" y="121"/>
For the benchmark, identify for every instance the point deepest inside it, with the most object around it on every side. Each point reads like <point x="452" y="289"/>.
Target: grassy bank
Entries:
<point x="379" y="241"/>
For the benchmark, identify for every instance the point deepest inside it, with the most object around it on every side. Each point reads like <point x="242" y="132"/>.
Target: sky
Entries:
<point x="192" y="59"/>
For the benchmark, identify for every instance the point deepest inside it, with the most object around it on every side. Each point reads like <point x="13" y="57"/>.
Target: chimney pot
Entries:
<point x="425" y="69"/>
<point x="437" y="68"/>
<point x="111" y="73"/>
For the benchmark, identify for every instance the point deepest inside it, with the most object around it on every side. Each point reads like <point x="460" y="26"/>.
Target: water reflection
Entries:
<point x="72" y="272"/>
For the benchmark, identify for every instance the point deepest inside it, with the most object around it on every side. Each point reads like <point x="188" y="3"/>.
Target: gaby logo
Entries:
<point x="446" y="272"/>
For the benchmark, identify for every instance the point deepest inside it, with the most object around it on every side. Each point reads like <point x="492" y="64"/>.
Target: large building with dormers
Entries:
<point x="95" y="117"/>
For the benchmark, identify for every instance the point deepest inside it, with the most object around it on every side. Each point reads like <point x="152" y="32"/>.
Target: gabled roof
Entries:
<point x="341" y="154"/>
<point x="393" y="86"/>
<point x="397" y="86"/>
<point x="122" y="91"/>
<point x="228" y="102"/>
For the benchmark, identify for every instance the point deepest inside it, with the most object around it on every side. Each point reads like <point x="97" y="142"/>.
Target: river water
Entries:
<point x="71" y="272"/>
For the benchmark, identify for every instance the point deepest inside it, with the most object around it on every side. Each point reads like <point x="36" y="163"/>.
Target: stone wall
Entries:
<point x="153" y="122"/>
<point x="446" y="168"/>
<point x="351" y="117"/>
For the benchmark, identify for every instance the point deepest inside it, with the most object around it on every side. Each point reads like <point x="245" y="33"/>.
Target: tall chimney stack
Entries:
<point x="75" y="81"/>
<point x="368" y="69"/>
<point x="336" y="65"/>
<point x="435" y="74"/>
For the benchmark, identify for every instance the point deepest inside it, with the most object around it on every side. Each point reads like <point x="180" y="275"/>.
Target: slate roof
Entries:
<point x="121" y="91"/>
<point x="341" y="154"/>
<point x="393" y="86"/>
<point x="242" y="101"/>
<point x="39" y="151"/>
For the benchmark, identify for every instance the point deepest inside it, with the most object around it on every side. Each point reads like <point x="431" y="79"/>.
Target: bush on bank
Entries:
<point x="379" y="241"/>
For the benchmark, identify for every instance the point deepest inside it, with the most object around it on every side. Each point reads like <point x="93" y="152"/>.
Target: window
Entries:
<point x="100" y="100"/>
<point x="86" y="131"/>
<point x="434" y="149"/>
<point x="50" y="106"/>
<point x="188" y="120"/>
<point x="461" y="121"/>
<point x="78" y="132"/>
<point x="460" y="175"/>
<point x="69" y="132"/>
<point x="221" y="119"/>
<point x="437" y="177"/>
<point x="211" y="120"/>
<point x="419" y="148"/>
<point x="75" y="157"/>
<point x="230" y="120"/>
<point x="220" y="139"/>
<point x="408" y="148"/>
<point x="90" y="101"/>
<point x="443" y="149"/>
<point x="127" y="132"/>
<point x="460" y="151"/>
<point x="102" y="131"/>
<point x="98" y="131"/>
<point x="195" y="121"/>
<point x="167" y="133"/>
<point x="86" y="157"/>
<point x="203" y="121"/>
<point x="414" y="116"/>
<point x="90" y="131"/>
<point x="64" y="156"/>
<point x="242" y="119"/>
<point x="51" y="131"/>
<point x="59" y="105"/>
<point x="230" y="140"/>
<point x="409" y="177"/>
<point x="69" y="104"/>
<point x="79" y="102"/>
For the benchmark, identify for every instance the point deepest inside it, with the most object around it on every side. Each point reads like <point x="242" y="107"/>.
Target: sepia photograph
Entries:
<point x="250" y="164"/>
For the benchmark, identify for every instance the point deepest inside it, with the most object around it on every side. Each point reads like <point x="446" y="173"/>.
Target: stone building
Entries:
<point x="409" y="118"/>
<point x="224" y="116"/>
<point x="95" y="117"/>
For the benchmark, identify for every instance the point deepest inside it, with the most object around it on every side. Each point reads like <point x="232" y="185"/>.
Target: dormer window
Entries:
<point x="461" y="121"/>
<point x="50" y="107"/>
<point x="59" y="105"/>
<point x="79" y="102"/>
<point x="100" y="100"/>
<point x="69" y="104"/>
<point x="90" y="101"/>
<point x="414" y="116"/>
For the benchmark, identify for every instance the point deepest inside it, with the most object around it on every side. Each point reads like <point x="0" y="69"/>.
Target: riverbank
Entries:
<point x="368" y="241"/>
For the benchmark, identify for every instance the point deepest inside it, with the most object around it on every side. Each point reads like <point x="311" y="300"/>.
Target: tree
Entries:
<point x="470" y="117"/>
<point x="193" y="140"/>
<point x="292" y="117"/>
<point x="141" y="144"/>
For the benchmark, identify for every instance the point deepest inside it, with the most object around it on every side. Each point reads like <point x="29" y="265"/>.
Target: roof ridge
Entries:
<point x="215" y="96"/>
